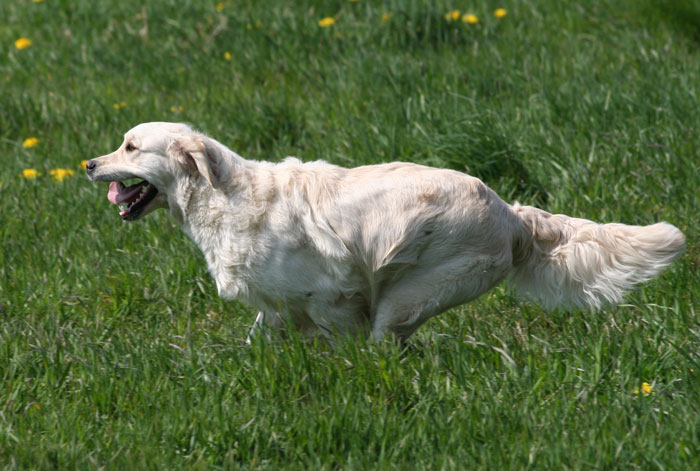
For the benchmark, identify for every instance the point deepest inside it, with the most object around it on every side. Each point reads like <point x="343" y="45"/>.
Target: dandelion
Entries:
<point x="61" y="173"/>
<point x="227" y="56"/>
<point x="119" y="105"/>
<point x="83" y="164"/>
<point x="220" y="6"/>
<point x="326" y="22"/>
<point x="452" y="15"/>
<point x="646" y="389"/>
<point x="387" y="16"/>
<point x="500" y="13"/>
<point x="30" y="142"/>
<point x="470" y="19"/>
<point x="29" y="173"/>
<point x="23" y="43"/>
<point x="176" y="109"/>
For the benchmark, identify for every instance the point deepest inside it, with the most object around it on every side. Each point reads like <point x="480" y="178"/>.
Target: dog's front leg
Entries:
<point x="265" y="324"/>
<point x="257" y="327"/>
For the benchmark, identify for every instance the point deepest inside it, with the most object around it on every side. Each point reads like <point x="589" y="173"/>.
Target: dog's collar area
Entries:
<point x="132" y="199"/>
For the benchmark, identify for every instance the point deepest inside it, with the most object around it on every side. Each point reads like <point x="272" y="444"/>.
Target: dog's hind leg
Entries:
<point x="420" y="295"/>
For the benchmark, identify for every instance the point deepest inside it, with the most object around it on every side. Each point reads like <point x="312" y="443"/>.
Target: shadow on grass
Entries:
<point x="682" y="16"/>
<point x="485" y="151"/>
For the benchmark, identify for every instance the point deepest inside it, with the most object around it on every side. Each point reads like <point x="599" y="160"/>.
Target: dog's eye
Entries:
<point x="130" y="147"/>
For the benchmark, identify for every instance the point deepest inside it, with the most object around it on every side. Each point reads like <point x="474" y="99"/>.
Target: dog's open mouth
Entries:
<point x="131" y="199"/>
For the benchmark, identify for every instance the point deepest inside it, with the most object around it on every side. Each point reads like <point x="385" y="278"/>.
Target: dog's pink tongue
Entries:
<point x="114" y="192"/>
<point x="118" y="192"/>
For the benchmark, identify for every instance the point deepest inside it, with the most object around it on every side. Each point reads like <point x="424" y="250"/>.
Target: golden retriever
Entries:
<point x="378" y="249"/>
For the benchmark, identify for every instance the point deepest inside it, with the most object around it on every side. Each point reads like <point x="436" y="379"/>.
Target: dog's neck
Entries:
<point x="225" y="218"/>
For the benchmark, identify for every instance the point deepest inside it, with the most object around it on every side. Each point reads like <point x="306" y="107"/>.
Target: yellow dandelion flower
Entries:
<point x="227" y="56"/>
<point x="83" y="164"/>
<point x="30" y="142"/>
<point x="646" y="389"/>
<point x="471" y="19"/>
<point x="387" y="16"/>
<point x="500" y="12"/>
<point x="452" y="15"/>
<point x="59" y="174"/>
<point x="29" y="173"/>
<point x="220" y="6"/>
<point x="176" y="109"/>
<point x="119" y="105"/>
<point x="23" y="43"/>
<point x="326" y="22"/>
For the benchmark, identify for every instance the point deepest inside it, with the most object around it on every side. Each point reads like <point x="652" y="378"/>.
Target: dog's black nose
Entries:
<point x="90" y="165"/>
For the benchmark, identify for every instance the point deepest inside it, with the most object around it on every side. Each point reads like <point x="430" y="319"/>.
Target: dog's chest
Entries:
<point x="230" y="255"/>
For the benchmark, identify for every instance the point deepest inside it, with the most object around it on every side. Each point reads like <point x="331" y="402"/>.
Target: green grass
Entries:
<point x="115" y="351"/>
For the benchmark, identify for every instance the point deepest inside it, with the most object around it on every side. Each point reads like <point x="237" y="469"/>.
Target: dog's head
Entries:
<point x="160" y="155"/>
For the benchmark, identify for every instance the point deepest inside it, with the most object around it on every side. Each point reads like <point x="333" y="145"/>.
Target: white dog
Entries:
<point x="377" y="249"/>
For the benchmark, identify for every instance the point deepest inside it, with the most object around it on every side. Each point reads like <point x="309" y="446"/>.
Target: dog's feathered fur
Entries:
<point x="378" y="249"/>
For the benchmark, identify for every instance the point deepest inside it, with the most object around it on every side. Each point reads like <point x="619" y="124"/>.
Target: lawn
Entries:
<point x="115" y="351"/>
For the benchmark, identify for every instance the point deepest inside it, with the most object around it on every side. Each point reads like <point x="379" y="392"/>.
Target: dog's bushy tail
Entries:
<point x="564" y="261"/>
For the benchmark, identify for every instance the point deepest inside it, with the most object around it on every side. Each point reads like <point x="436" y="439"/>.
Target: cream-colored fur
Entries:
<point x="376" y="249"/>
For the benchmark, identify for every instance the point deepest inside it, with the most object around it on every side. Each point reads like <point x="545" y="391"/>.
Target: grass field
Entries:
<point x="115" y="351"/>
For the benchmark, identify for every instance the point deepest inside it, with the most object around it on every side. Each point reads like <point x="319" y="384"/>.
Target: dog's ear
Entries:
<point x="199" y="154"/>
